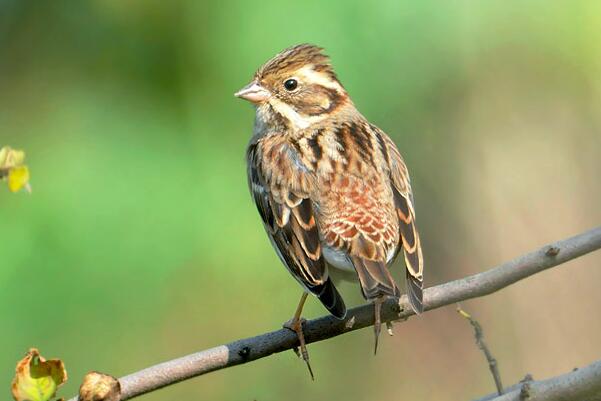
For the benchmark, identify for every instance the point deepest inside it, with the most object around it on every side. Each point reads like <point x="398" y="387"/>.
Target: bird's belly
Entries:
<point x="340" y="260"/>
<point x="341" y="269"/>
<point x="337" y="258"/>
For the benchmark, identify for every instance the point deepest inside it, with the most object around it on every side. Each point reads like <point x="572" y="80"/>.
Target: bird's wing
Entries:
<point x="287" y="212"/>
<point x="403" y="200"/>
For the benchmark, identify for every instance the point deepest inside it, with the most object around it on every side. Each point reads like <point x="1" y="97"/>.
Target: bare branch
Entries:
<point x="479" y="334"/>
<point x="250" y="349"/>
<point x="580" y="384"/>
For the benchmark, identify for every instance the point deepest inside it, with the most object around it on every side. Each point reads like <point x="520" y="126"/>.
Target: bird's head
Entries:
<point x="299" y="85"/>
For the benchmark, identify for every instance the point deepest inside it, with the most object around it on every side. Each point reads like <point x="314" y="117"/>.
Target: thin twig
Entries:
<point x="479" y="334"/>
<point x="250" y="349"/>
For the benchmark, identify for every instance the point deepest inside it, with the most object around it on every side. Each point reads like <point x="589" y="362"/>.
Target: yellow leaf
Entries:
<point x="18" y="178"/>
<point x="37" y="379"/>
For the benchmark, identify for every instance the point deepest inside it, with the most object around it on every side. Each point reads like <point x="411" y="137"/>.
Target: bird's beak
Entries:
<point x="253" y="92"/>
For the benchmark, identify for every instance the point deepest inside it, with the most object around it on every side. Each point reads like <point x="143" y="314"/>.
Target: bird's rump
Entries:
<point x="356" y="219"/>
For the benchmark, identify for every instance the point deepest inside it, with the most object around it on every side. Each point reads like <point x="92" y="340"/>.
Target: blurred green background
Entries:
<point x="140" y="242"/>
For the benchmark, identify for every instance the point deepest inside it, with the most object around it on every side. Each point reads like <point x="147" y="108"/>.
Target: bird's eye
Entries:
<point x="290" y="84"/>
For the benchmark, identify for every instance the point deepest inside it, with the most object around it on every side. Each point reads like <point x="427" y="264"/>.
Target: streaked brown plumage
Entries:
<point x="332" y="189"/>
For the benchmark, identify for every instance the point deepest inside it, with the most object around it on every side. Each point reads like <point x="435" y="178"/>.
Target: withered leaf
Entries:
<point x="37" y="379"/>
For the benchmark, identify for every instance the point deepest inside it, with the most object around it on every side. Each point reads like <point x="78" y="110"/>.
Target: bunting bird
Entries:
<point x="332" y="189"/>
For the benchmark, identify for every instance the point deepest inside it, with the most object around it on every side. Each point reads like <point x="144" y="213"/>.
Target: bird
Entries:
<point x="332" y="189"/>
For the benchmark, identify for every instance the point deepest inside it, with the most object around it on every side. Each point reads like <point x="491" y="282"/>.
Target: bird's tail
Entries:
<point x="375" y="278"/>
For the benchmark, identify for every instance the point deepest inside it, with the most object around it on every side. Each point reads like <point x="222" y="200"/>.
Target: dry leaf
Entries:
<point x="37" y="379"/>
<point x="98" y="386"/>
<point x="13" y="169"/>
<point x="11" y="157"/>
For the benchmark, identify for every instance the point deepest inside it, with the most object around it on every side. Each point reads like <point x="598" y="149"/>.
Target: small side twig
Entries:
<point x="479" y="334"/>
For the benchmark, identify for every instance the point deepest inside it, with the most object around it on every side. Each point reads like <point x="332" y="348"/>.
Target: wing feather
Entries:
<point x="290" y="224"/>
<point x="403" y="200"/>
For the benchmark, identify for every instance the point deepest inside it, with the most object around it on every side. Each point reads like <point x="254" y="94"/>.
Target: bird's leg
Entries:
<point x="296" y="324"/>
<point x="377" y="320"/>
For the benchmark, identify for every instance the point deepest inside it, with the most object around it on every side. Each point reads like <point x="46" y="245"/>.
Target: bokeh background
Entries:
<point x="140" y="242"/>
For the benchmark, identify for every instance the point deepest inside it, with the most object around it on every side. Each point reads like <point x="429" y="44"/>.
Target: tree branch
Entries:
<point x="250" y="349"/>
<point x="580" y="384"/>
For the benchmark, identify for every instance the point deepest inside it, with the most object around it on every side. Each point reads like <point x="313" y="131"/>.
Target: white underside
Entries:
<point x="340" y="260"/>
<point x="340" y="267"/>
<point x="343" y="269"/>
<point x="337" y="259"/>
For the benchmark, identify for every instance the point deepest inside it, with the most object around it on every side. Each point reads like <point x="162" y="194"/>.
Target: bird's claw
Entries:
<point x="293" y="323"/>
<point x="296" y="325"/>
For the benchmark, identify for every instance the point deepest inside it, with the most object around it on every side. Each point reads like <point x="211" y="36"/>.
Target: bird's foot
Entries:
<point x="296" y="325"/>
<point x="377" y="321"/>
